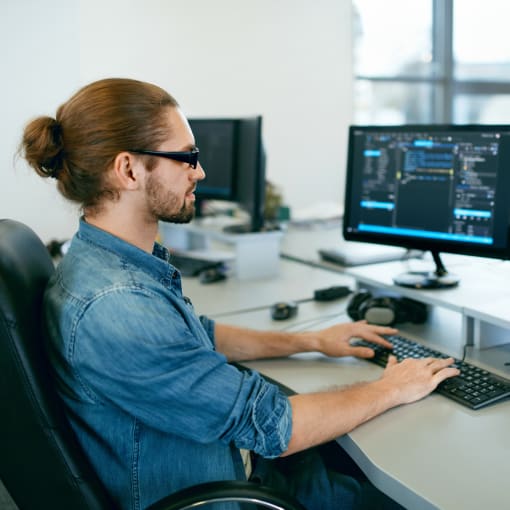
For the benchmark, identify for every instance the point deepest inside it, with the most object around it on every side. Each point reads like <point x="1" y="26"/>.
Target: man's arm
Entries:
<point x="321" y="417"/>
<point x="324" y="416"/>
<point x="241" y="344"/>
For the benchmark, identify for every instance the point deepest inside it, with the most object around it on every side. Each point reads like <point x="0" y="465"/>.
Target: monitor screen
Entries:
<point x="233" y="158"/>
<point x="217" y="141"/>
<point x="443" y="188"/>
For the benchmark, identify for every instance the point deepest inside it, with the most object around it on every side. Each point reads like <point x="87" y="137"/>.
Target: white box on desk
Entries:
<point x="256" y="254"/>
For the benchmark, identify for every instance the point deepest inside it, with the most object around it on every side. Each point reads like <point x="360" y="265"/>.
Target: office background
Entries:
<point x="289" y="60"/>
<point x="310" y="68"/>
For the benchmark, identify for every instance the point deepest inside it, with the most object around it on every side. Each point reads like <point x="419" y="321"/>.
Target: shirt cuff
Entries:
<point x="272" y="417"/>
<point x="208" y="325"/>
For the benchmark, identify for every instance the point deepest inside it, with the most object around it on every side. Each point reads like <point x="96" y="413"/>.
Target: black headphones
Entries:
<point x="385" y="310"/>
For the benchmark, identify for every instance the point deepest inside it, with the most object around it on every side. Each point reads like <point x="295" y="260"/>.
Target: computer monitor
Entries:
<point x="233" y="157"/>
<point x="443" y="188"/>
<point x="217" y="141"/>
<point x="250" y="175"/>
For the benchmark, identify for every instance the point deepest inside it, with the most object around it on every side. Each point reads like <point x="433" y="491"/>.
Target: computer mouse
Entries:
<point x="211" y="275"/>
<point x="283" y="310"/>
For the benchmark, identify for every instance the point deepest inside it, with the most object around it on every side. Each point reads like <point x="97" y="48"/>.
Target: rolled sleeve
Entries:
<point x="208" y="325"/>
<point x="272" y="417"/>
<point x="158" y="364"/>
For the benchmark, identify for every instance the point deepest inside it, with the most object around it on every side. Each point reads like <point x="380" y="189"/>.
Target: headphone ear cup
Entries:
<point x="354" y="306"/>
<point x="379" y="310"/>
<point x="386" y="310"/>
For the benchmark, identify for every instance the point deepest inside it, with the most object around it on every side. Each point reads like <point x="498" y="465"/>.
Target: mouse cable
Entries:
<point x="306" y="324"/>
<point x="321" y="295"/>
<point x="464" y="351"/>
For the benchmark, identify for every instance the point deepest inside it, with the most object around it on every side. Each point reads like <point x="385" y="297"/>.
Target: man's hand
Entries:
<point x="335" y="341"/>
<point x="413" y="379"/>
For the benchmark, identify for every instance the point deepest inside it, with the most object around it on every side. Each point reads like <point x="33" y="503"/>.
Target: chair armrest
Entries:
<point x="232" y="490"/>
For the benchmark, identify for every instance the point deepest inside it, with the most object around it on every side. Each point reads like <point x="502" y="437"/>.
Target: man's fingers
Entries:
<point x="362" y="352"/>
<point x="392" y="360"/>
<point x="438" y="364"/>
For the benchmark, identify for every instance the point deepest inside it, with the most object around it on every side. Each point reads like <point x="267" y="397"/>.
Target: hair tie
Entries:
<point x="56" y="129"/>
<point x="51" y="172"/>
<point x="55" y="173"/>
<point x="52" y="168"/>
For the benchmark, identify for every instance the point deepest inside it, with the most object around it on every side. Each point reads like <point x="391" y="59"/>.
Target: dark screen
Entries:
<point x="251" y="172"/>
<point x="232" y="156"/>
<point x="217" y="141"/>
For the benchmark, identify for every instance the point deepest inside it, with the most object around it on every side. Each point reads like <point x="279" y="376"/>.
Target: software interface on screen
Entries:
<point x="444" y="189"/>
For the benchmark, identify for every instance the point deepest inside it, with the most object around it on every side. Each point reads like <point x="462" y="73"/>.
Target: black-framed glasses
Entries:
<point x="190" y="157"/>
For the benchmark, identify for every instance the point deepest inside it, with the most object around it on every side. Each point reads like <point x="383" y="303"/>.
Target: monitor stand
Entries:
<point x="438" y="279"/>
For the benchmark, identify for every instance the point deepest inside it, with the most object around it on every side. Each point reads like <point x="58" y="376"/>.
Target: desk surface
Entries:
<point x="294" y="282"/>
<point x="430" y="454"/>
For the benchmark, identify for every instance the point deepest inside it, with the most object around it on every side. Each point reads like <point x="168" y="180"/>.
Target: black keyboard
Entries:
<point x="192" y="266"/>
<point x="474" y="387"/>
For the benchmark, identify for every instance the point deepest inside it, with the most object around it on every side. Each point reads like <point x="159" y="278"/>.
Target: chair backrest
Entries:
<point x="41" y="463"/>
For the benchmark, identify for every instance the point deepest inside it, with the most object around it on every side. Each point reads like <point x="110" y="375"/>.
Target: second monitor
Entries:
<point x="442" y="188"/>
<point x="233" y="157"/>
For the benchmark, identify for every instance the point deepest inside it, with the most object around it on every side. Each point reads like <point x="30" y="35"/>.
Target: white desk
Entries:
<point x="480" y="306"/>
<point x="294" y="282"/>
<point x="303" y="244"/>
<point x="430" y="454"/>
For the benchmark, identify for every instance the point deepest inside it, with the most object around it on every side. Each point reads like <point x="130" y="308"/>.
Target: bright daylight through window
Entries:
<point x="431" y="61"/>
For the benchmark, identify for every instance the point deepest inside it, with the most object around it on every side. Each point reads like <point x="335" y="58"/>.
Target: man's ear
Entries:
<point x="127" y="170"/>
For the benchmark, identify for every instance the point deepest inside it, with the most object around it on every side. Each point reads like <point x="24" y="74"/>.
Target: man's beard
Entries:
<point x="163" y="205"/>
<point x="185" y="215"/>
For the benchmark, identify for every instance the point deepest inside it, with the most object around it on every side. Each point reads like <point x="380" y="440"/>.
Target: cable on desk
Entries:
<point x="464" y="350"/>
<point x="253" y="309"/>
<point x="321" y="295"/>
<point x="313" y="321"/>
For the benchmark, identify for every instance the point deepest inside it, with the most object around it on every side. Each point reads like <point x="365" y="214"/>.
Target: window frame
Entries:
<point x="445" y="87"/>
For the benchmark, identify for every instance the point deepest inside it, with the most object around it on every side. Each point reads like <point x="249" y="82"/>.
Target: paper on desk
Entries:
<point x="322" y="211"/>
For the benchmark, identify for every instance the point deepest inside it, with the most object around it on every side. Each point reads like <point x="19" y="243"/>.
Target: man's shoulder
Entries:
<point x="90" y="269"/>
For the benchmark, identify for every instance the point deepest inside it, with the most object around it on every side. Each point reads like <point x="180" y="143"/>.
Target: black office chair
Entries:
<point x="41" y="463"/>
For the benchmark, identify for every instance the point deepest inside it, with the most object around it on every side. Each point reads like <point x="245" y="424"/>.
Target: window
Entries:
<point x="430" y="61"/>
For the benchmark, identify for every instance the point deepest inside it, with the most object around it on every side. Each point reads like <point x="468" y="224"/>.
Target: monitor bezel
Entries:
<point x="419" y="243"/>
<point x="251" y="172"/>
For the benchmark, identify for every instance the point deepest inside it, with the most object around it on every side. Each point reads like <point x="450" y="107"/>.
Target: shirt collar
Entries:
<point x="157" y="263"/>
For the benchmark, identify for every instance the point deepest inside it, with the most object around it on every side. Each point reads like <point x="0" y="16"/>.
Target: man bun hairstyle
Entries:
<point x="101" y="120"/>
<point x="43" y="146"/>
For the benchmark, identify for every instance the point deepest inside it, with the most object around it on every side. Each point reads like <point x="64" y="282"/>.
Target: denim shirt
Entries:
<point x="154" y="405"/>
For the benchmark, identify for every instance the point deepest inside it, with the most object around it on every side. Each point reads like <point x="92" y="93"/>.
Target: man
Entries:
<point x="148" y="385"/>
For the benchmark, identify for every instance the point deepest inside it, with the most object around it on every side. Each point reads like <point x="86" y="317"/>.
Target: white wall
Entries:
<point x="39" y="53"/>
<point x="288" y="60"/>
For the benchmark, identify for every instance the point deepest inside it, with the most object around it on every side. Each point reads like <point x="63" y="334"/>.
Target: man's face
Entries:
<point x="170" y="185"/>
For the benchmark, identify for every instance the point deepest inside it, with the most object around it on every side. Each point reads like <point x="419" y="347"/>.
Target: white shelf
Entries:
<point x="479" y="307"/>
<point x="255" y="254"/>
